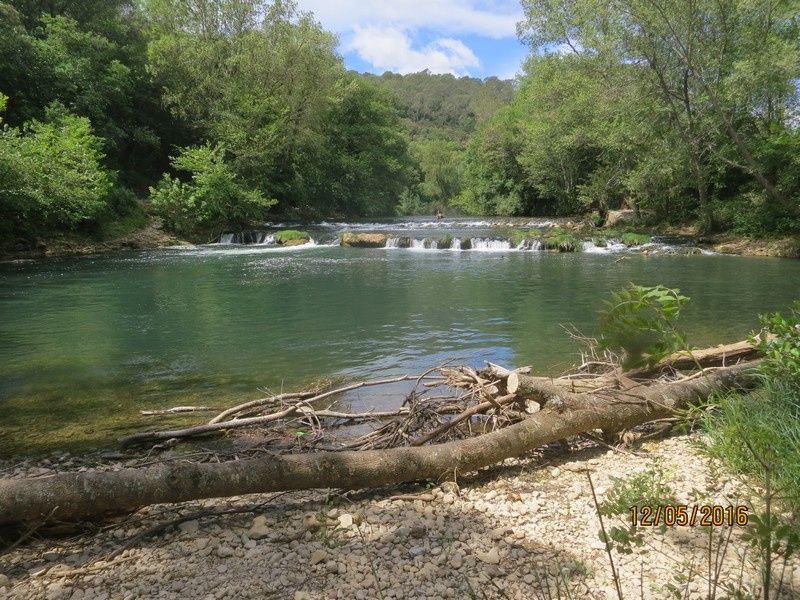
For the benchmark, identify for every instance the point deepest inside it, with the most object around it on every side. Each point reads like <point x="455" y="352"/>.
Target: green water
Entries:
<point x="86" y="343"/>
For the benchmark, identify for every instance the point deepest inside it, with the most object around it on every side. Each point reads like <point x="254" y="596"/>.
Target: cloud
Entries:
<point x="494" y="19"/>
<point x="391" y="49"/>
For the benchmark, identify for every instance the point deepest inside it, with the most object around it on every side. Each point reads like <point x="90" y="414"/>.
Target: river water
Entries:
<point x="86" y="343"/>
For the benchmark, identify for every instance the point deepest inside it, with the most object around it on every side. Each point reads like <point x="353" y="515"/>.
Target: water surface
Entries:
<point x="86" y="343"/>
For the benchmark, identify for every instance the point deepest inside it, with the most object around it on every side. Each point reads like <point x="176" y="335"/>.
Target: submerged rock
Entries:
<point x="363" y="240"/>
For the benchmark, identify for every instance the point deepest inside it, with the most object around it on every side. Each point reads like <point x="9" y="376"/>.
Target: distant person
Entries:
<point x="439" y="214"/>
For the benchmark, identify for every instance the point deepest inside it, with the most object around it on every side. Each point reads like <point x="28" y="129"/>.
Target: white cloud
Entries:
<point x="495" y="19"/>
<point x="391" y="49"/>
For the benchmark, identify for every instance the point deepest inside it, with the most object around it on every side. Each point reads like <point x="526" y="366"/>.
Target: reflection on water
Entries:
<point x="86" y="343"/>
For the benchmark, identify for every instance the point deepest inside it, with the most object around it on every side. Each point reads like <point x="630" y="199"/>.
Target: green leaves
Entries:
<point x="214" y="199"/>
<point x="639" y="323"/>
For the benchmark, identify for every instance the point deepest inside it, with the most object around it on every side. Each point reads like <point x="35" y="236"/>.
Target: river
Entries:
<point x="86" y="343"/>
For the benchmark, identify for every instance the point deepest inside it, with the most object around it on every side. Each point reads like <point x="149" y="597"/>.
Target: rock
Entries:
<point x="363" y="240"/>
<point x="418" y="531"/>
<point x="4" y="581"/>
<point x="317" y="557"/>
<point x="51" y="556"/>
<point x="259" y="529"/>
<point x="416" y="551"/>
<point x="311" y="522"/>
<point x="615" y="217"/>
<point x="301" y="595"/>
<point x="492" y="557"/>
<point x="225" y="551"/>
<point x="346" y="521"/>
<point x="457" y="560"/>
<point x="332" y="567"/>
<point x="189" y="527"/>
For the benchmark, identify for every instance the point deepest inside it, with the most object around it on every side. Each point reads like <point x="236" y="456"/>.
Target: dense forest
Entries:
<point x="216" y="114"/>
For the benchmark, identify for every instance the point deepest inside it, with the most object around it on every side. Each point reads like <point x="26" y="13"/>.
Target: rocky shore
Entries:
<point x="524" y="529"/>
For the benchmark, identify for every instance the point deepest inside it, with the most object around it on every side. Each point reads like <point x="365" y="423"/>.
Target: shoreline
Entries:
<point x="153" y="236"/>
<point x="513" y="527"/>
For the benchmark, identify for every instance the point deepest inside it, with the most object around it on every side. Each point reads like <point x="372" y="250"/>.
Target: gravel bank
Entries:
<point x="510" y="532"/>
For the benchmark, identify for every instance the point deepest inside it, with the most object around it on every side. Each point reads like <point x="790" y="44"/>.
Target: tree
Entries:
<point x="51" y="174"/>
<point x="214" y="198"/>
<point x="723" y="75"/>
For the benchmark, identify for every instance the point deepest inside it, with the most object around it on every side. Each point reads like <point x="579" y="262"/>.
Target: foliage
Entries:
<point x="630" y="238"/>
<point x="558" y="239"/>
<point x="290" y="235"/>
<point x="780" y="344"/>
<point x="640" y="323"/>
<point x="51" y="174"/>
<point x="213" y="200"/>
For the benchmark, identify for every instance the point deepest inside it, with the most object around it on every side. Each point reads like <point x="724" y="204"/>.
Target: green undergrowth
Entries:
<point x="290" y="235"/>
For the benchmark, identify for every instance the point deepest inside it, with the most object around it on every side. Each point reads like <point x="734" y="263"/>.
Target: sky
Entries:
<point x="463" y="37"/>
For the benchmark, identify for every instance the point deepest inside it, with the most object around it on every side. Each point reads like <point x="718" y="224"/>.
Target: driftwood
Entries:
<point x="564" y="414"/>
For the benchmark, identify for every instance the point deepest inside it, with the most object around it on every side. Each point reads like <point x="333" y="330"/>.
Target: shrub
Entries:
<point x="639" y="323"/>
<point x="635" y="239"/>
<point x="51" y="174"/>
<point x="213" y="200"/>
<point x="287" y="236"/>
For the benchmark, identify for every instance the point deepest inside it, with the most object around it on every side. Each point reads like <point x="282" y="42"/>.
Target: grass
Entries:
<point x="562" y="241"/>
<point x="631" y="238"/>
<point x="286" y="236"/>
<point x="444" y="242"/>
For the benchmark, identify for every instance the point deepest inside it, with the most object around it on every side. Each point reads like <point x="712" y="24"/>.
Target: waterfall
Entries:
<point x="490" y="245"/>
<point x="426" y="244"/>
<point x="455" y="244"/>
<point x="266" y="239"/>
<point x="529" y="244"/>
<point x="392" y="242"/>
<point x="226" y="238"/>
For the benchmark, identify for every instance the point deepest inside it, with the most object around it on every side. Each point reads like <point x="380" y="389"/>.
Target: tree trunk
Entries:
<point x="73" y="496"/>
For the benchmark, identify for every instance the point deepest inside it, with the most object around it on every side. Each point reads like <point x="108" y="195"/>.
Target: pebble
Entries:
<point x="505" y="528"/>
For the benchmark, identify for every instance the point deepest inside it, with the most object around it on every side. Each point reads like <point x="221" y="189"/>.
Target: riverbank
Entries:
<point x="511" y="531"/>
<point x="149" y="237"/>
<point x="153" y="236"/>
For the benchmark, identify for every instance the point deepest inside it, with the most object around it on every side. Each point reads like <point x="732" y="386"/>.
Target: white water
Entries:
<point x="491" y="245"/>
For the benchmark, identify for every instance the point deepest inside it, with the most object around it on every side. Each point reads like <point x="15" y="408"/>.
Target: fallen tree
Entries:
<point x="564" y="413"/>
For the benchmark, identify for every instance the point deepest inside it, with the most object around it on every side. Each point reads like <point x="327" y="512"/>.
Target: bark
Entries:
<point x="73" y="496"/>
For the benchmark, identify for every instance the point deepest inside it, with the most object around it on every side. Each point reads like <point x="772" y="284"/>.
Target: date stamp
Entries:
<point x="689" y="515"/>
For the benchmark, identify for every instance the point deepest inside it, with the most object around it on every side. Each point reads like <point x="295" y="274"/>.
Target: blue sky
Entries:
<point x="462" y="37"/>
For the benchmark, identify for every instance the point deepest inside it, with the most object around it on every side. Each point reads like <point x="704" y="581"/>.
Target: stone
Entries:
<point x="457" y="560"/>
<point x="346" y="521"/>
<point x="363" y="240"/>
<point x="311" y="522"/>
<point x="189" y="527"/>
<point x="301" y="595"/>
<point x="317" y="557"/>
<point x="332" y="567"/>
<point x="492" y="557"/>
<point x="416" y="551"/>
<point x="225" y="551"/>
<point x="4" y="581"/>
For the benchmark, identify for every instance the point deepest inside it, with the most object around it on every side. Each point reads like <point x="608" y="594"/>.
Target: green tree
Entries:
<point x="214" y="199"/>
<point x="51" y="174"/>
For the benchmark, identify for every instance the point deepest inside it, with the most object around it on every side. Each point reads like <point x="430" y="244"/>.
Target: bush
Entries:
<point x="751" y="432"/>
<point x="639" y="323"/>
<point x="635" y="239"/>
<point x="51" y="176"/>
<point x="287" y="236"/>
<point x="212" y="201"/>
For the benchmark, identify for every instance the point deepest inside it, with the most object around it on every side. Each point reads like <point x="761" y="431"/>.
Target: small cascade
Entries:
<point x="266" y="239"/>
<point x="392" y="242"/>
<point x="530" y="245"/>
<point x="455" y="244"/>
<point x="425" y="244"/>
<point x="226" y="238"/>
<point x="490" y="245"/>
